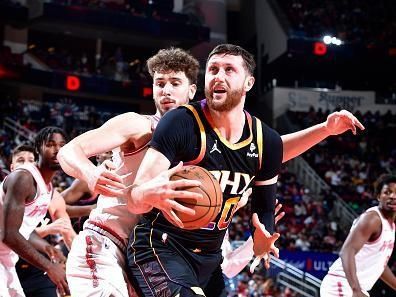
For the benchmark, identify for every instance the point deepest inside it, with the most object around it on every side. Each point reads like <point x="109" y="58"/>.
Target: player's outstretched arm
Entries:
<point x="368" y="228"/>
<point x="236" y="260"/>
<point x="44" y="247"/>
<point x="296" y="143"/>
<point x="73" y="157"/>
<point x="58" y="226"/>
<point x="389" y="278"/>
<point x="19" y="187"/>
<point x="73" y="194"/>
<point x="57" y="210"/>
<point x="152" y="188"/>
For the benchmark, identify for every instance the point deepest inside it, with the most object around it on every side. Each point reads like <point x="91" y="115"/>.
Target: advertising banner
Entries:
<point x="314" y="263"/>
<point x="301" y="100"/>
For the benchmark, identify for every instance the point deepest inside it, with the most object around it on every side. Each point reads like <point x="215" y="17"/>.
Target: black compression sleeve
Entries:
<point x="263" y="203"/>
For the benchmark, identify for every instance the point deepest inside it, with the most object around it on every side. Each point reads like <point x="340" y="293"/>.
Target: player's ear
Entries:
<point x="12" y="167"/>
<point x="249" y="82"/>
<point x="192" y="90"/>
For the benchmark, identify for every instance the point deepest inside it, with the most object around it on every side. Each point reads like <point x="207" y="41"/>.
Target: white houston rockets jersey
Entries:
<point x="35" y="210"/>
<point x="111" y="212"/>
<point x="372" y="257"/>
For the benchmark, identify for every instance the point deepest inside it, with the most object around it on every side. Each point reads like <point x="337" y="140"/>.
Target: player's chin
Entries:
<point x="168" y="106"/>
<point x="55" y="166"/>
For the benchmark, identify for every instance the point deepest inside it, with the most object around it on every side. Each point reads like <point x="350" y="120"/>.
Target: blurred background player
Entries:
<point x="57" y="210"/>
<point x="25" y="199"/>
<point x="34" y="281"/>
<point x="367" y="249"/>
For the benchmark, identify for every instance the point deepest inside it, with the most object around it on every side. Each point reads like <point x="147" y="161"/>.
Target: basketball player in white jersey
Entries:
<point x="96" y="263"/>
<point x="367" y="249"/>
<point x="25" y="154"/>
<point x="25" y="195"/>
<point x="175" y="75"/>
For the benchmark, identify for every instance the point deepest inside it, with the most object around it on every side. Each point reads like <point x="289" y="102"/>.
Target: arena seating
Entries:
<point x="369" y="22"/>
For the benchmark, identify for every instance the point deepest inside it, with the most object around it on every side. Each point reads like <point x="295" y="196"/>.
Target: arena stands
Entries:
<point x="366" y="22"/>
<point x="350" y="164"/>
<point x="106" y="42"/>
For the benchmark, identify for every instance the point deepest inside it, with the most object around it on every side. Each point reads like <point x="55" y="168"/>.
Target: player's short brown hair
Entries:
<point x="235" y="50"/>
<point x="24" y="147"/>
<point x="174" y="59"/>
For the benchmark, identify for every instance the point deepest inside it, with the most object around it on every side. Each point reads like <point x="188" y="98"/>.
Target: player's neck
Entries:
<point x="389" y="215"/>
<point x="158" y="114"/>
<point x="46" y="173"/>
<point x="230" y="123"/>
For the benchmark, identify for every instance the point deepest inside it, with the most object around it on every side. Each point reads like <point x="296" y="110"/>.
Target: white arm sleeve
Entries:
<point x="235" y="260"/>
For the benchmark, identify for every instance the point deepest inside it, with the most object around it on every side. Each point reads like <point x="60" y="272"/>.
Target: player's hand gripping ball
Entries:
<point x="206" y="210"/>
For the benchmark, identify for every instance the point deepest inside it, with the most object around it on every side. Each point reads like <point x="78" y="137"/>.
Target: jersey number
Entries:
<point x="229" y="209"/>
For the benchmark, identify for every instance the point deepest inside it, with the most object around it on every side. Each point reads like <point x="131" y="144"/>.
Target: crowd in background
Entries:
<point x="114" y="65"/>
<point x="349" y="164"/>
<point x="156" y="9"/>
<point x="369" y="22"/>
<point x="31" y="116"/>
<point x="8" y="58"/>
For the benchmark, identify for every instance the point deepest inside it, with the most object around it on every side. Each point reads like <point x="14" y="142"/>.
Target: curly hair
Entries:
<point x="174" y="59"/>
<point x="45" y="134"/>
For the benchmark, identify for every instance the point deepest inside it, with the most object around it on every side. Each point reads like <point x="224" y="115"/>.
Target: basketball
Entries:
<point x="207" y="210"/>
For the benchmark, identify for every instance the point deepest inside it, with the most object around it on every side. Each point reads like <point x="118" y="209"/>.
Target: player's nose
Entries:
<point x="166" y="90"/>
<point x="219" y="76"/>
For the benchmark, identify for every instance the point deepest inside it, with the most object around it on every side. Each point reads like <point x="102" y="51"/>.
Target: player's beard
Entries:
<point x="233" y="99"/>
<point x="158" y="107"/>
<point x="54" y="166"/>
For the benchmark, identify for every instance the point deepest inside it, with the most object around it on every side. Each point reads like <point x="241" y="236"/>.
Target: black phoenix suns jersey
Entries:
<point x="188" y="134"/>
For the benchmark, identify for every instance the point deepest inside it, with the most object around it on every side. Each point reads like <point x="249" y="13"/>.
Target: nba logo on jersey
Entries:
<point x="252" y="153"/>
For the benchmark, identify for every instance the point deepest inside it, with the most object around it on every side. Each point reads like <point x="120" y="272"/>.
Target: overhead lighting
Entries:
<point x="331" y="40"/>
<point x="327" y="39"/>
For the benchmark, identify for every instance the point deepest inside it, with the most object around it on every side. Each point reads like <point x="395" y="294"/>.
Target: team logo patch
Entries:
<point x="215" y="148"/>
<point x="252" y="153"/>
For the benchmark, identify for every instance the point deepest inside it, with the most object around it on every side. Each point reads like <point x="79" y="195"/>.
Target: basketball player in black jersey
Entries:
<point x="170" y="92"/>
<point x="238" y="149"/>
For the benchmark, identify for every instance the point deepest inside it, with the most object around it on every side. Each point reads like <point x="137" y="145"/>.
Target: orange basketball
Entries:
<point x="207" y="210"/>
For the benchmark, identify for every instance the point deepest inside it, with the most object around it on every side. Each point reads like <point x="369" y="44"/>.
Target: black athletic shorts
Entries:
<point x="35" y="282"/>
<point x="160" y="265"/>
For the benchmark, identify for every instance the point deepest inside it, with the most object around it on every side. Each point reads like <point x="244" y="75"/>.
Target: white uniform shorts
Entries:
<point x="336" y="286"/>
<point x="9" y="281"/>
<point x="96" y="267"/>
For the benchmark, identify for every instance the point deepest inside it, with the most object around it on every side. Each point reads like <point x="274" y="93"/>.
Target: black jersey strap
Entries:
<point x="203" y="136"/>
<point x="259" y="131"/>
